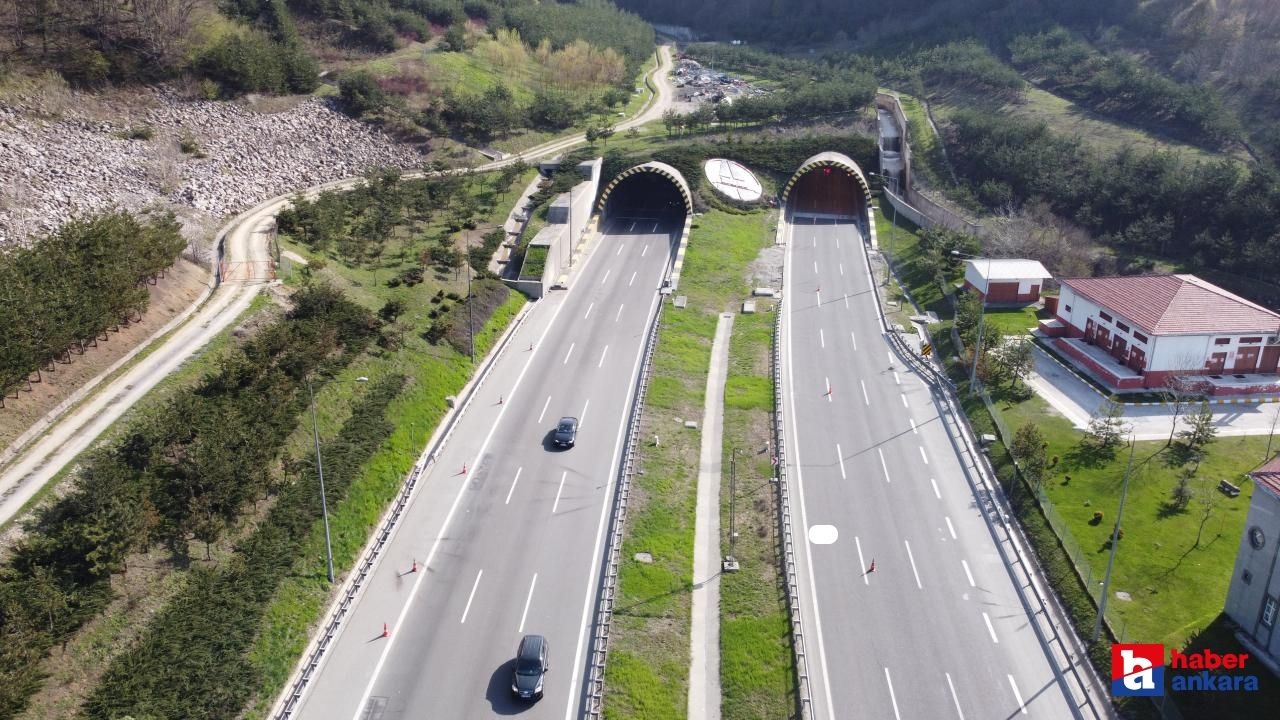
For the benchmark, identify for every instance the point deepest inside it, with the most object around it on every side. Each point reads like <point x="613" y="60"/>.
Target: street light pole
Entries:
<point x="471" y="301"/>
<point x="1115" y="541"/>
<point x="324" y="503"/>
<point x="982" y="317"/>
<point x="733" y="503"/>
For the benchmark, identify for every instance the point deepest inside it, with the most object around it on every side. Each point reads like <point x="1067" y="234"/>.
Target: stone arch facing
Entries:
<point x="828" y="159"/>
<point x="652" y="166"/>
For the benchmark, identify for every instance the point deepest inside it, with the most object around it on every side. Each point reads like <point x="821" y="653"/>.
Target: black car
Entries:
<point x="566" y="432"/>
<point x="531" y="666"/>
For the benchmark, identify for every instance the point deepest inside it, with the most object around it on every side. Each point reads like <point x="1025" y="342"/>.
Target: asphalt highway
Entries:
<point x="936" y="629"/>
<point x="519" y="551"/>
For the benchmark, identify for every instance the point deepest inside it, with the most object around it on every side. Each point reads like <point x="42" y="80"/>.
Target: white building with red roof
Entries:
<point x="1134" y="332"/>
<point x="1253" y="597"/>
<point x="1005" y="281"/>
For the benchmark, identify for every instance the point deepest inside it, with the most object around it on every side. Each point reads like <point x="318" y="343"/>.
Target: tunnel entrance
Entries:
<point x="653" y="192"/>
<point x="827" y="187"/>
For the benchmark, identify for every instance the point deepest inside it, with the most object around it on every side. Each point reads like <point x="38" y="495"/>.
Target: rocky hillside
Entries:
<point x="70" y="152"/>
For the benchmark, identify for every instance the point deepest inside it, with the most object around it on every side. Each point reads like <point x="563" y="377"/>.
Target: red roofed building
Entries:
<point x="1134" y="332"/>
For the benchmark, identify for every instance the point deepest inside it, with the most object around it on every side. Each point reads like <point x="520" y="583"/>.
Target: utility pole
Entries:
<point x="471" y="301"/>
<point x="730" y="562"/>
<point x="1115" y="542"/>
<point x="324" y="503"/>
<point x="1275" y="417"/>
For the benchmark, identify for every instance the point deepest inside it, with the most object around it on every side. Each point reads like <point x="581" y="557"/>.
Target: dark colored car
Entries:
<point x="566" y="432"/>
<point x="531" y="666"/>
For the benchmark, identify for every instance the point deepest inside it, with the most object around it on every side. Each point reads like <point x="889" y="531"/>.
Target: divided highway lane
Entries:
<point x="520" y="555"/>
<point x="937" y="629"/>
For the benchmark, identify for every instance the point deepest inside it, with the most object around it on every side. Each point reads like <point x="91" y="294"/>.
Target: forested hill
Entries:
<point x="273" y="45"/>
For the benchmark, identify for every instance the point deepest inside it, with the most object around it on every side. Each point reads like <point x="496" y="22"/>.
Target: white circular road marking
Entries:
<point x="823" y="534"/>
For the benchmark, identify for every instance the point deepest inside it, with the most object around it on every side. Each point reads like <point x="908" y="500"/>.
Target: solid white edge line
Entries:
<point x="604" y="514"/>
<point x="924" y="457"/>
<point x="566" y="355"/>
<point x="559" y="490"/>
<point x="1022" y="706"/>
<point x="864" y="392"/>
<point x="840" y="457"/>
<point x="912" y="558"/>
<point x="804" y="514"/>
<point x="883" y="465"/>
<point x="417" y="584"/>
<point x="954" y="698"/>
<point x="991" y="628"/>
<point x="513" y="484"/>
<point x="544" y="409"/>
<point x="589" y="309"/>
<point x="968" y="574"/>
<point x="892" y="697"/>
<point x="935" y="488"/>
<point x="471" y="597"/>
<point x="602" y="354"/>
<point x="950" y="527"/>
<point x="524" y="615"/>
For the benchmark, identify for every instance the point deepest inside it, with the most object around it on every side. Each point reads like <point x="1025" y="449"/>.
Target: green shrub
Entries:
<point x="361" y="94"/>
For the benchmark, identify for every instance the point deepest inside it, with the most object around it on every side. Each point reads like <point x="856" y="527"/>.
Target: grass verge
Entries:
<point x="756" y="676"/>
<point x="648" y="672"/>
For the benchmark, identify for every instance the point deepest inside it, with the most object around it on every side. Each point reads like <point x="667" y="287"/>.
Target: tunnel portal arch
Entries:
<point x="658" y="168"/>
<point x="861" y="190"/>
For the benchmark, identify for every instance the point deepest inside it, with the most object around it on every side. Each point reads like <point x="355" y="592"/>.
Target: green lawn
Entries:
<point x="648" y="672"/>
<point x="757" y="676"/>
<point x="1014" y="321"/>
<point x="535" y="262"/>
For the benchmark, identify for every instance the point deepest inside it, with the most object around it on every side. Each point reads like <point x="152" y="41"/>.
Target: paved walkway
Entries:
<point x="1078" y="400"/>
<point x="704" y="647"/>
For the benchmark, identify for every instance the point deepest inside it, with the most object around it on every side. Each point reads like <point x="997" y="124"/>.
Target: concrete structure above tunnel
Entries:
<point x="830" y="160"/>
<point x="652" y="166"/>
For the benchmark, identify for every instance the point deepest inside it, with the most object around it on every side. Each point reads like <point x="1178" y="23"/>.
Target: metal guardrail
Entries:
<point x="804" y="693"/>
<point x="613" y="551"/>
<point x="354" y="583"/>
<point x="997" y="510"/>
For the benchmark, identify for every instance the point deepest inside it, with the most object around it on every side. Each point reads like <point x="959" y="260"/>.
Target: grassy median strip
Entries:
<point x="756" y="675"/>
<point x="648" y="670"/>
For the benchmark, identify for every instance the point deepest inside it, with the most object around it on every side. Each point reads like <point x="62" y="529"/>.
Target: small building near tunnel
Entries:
<point x="1005" y="281"/>
<point x="1135" y="332"/>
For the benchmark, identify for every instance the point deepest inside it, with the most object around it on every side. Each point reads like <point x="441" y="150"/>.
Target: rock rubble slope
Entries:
<point x="68" y="163"/>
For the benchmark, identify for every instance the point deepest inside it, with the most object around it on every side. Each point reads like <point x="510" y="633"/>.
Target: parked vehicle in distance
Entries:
<point x="566" y="432"/>
<point x="531" y="666"/>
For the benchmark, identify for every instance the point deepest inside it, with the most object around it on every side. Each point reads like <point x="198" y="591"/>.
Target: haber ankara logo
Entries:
<point x="1137" y="669"/>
